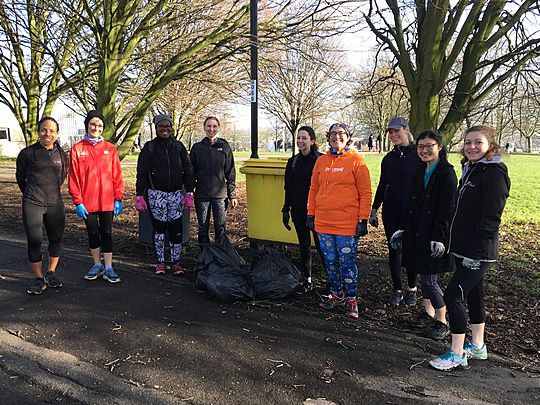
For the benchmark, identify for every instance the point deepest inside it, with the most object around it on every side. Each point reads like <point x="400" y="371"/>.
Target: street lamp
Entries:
<point x="254" y="39"/>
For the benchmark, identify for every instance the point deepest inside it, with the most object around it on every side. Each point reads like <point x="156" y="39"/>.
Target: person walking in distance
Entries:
<point x="41" y="170"/>
<point x="393" y="191"/>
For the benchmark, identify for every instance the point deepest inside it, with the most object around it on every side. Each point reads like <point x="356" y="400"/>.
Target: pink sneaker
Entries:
<point x="351" y="308"/>
<point x="160" y="269"/>
<point x="177" y="269"/>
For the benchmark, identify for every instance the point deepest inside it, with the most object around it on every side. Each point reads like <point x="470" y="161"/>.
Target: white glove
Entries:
<point x="373" y="219"/>
<point x="471" y="263"/>
<point x="437" y="249"/>
<point x="395" y="240"/>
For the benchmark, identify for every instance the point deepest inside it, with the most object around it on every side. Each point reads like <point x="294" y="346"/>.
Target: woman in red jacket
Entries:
<point x="96" y="188"/>
<point x="338" y="208"/>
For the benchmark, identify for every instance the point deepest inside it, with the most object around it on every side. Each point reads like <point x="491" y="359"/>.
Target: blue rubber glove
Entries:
<point x="81" y="211"/>
<point x="118" y="208"/>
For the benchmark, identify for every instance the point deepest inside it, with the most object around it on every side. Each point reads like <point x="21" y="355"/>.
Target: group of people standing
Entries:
<point x="432" y="224"/>
<point x="168" y="182"/>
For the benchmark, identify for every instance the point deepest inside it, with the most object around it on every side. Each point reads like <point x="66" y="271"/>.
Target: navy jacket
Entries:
<point x="214" y="170"/>
<point x="427" y="218"/>
<point x="397" y="169"/>
<point x="482" y="195"/>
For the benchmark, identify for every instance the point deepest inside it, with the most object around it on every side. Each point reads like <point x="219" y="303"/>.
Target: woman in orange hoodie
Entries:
<point x="339" y="203"/>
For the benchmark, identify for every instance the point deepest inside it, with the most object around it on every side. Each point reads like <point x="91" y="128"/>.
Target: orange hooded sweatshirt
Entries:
<point x="340" y="193"/>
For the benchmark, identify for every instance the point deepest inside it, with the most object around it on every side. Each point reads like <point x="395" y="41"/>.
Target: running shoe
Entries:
<point x="94" y="272"/>
<point x="160" y="269"/>
<point x="474" y="352"/>
<point x="111" y="276"/>
<point x="177" y="269"/>
<point x="37" y="286"/>
<point x="351" y="308"/>
<point x="449" y="361"/>
<point x="332" y="301"/>
<point x="395" y="298"/>
<point x="51" y="280"/>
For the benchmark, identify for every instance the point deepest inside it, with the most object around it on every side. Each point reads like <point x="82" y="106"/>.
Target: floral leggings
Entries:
<point x="339" y="254"/>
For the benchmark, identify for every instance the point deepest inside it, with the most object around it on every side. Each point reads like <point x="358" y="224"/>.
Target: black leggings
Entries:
<point x="466" y="284"/>
<point x="304" y="244"/>
<point x="34" y="218"/>
<point x="99" y="228"/>
<point x="391" y="221"/>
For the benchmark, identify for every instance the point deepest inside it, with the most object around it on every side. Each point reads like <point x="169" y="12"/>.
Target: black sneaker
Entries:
<point x="304" y="288"/>
<point x="51" y="280"/>
<point x="410" y="297"/>
<point x="424" y="320"/>
<point x="37" y="287"/>
<point x="439" y="331"/>
<point x="395" y="298"/>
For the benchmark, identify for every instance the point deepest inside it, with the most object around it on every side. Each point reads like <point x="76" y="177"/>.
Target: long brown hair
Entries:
<point x="489" y="133"/>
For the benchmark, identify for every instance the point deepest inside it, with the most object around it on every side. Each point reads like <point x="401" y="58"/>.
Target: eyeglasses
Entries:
<point x="426" y="146"/>
<point x="96" y="125"/>
<point x="341" y="133"/>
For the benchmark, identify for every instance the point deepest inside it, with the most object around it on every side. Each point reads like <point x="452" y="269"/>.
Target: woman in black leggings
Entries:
<point x="474" y="243"/>
<point x="41" y="170"/>
<point x="297" y="181"/>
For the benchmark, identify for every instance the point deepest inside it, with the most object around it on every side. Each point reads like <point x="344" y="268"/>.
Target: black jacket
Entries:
<point x="397" y="169"/>
<point x="482" y="195"/>
<point x="40" y="174"/>
<point x="297" y="181"/>
<point x="213" y="168"/>
<point x="427" y="218"/>
<point x="164" y="165"/>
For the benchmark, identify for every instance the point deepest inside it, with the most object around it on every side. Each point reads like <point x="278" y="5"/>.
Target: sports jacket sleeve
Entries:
<point x="314" y="187"/>
<point x="143" y="170"/>
<point x="189" y="179"/>
<point x="74" y="181"/>
<point x="20" y="173"/>
<point x="289" y="185"/>
<point x="381" y="187"/>
<point x="363" y="185"/>
<point x="117" y="181"/>
<point x="447" y="189"/>
<point x="230" y="175"/>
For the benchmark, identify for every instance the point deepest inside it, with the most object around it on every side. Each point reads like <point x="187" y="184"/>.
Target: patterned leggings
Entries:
<point x="339" y="254"/>
<point x="166" y="215"/>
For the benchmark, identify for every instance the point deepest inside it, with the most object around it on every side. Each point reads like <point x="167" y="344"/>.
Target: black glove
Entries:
<point x="361" y="228"/>
<point x="285" y="217"/>
<point x="310" y="222"/>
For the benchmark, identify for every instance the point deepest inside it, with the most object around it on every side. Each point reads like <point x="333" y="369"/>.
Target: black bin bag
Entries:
<point x="274" y="276"/>
<point x="223" y="273"/>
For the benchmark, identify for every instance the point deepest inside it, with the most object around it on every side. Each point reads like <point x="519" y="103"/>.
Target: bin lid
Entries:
<point x="272" y="166"/>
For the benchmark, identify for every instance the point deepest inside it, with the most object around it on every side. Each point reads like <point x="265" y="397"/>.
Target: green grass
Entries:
<point x="4" y="160"/>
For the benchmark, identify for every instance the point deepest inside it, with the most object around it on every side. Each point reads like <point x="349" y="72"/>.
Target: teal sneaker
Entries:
<point x="111" y="276"/>
<point x="475" y="352"/>
<point x="449" y="361"/>
<point x="94" y="272"/>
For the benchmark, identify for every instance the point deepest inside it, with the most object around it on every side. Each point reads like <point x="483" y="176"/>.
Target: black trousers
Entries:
<point x="54" y="220"/>
<point x="304" y="244"/>
<point x="99" y="228"/>
<point x="392" y="220"/>
<point x="466" y="285"/>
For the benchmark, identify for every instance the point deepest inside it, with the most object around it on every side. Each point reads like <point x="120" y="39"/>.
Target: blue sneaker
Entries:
<point x="94" y="272"/>
<point x="111" y="276"/>
<point x="475" y="352"/>
<point x="449" y="361"/>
